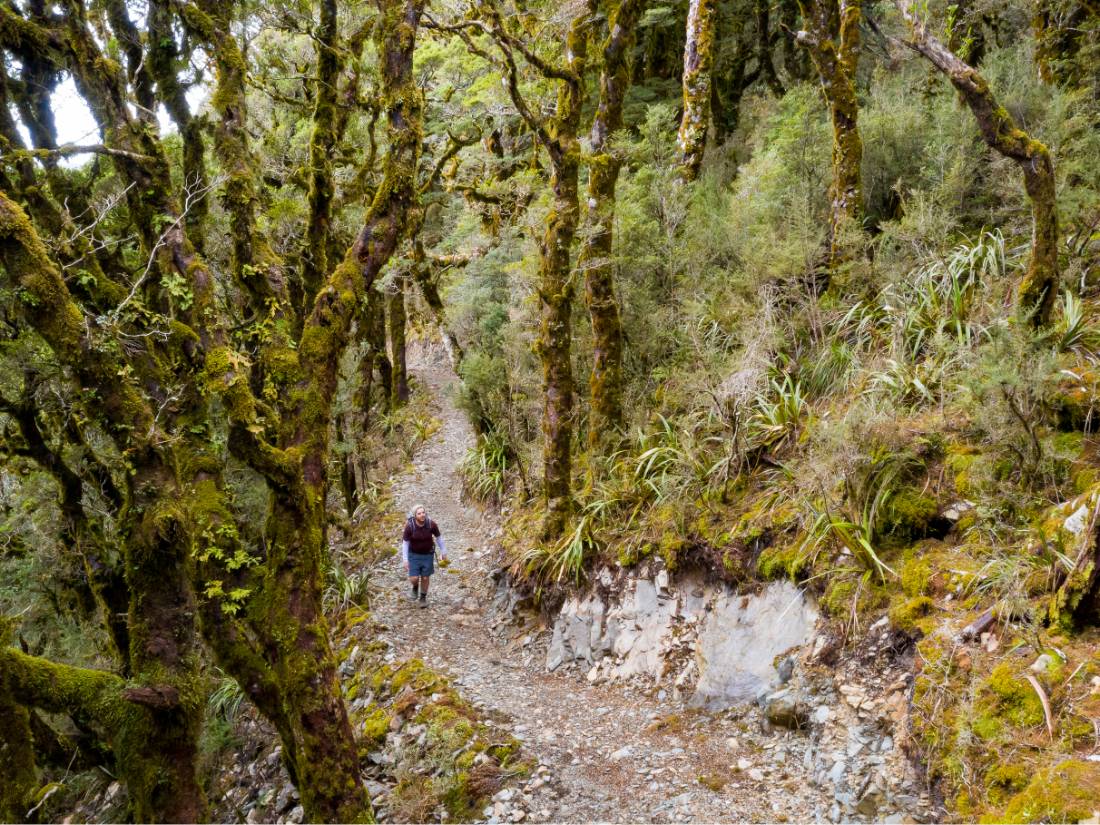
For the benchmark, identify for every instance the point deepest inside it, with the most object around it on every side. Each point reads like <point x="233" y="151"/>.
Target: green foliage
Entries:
<point x="1076" y="330"/>
<point x="345" y="588"/>
<point x="563" y="561"/>
<point x="779" y="414"/>
<point x="486" y="467"/>
<point x="226" y="698"/>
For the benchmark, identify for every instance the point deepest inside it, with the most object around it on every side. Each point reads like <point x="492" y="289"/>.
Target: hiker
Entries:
<point x="418" y="552"/>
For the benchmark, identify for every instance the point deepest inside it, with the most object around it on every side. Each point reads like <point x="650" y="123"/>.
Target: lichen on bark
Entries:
<point x="697" y="79"/>
<point x="832" y="38"/>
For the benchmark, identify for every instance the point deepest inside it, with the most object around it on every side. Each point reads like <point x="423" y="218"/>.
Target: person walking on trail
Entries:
<point x="418" y="544"/>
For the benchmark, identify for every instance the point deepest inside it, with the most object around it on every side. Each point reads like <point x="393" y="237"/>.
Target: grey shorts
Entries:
<point x="421" y="564"/>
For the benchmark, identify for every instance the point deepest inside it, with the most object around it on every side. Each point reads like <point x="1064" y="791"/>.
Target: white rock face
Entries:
<point x="720" y="645"/>
<point x="743" y="635"/>
<point x="1076" y="523"/>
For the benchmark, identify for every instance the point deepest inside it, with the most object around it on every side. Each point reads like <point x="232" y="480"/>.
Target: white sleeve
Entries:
<point x="442" y="546"/>
<point x="405" y="551"/>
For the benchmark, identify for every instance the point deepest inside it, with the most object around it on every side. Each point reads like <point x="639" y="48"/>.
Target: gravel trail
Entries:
<point x="609" y="753"/>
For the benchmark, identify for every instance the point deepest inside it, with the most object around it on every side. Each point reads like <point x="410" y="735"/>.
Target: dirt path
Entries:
<point x="606" y="753"/>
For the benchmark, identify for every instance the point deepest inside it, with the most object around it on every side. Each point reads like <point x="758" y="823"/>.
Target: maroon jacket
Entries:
<point x="420" y="537"/>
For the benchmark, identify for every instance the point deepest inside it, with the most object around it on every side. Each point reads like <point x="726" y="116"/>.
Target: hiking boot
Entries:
<point x="423" y="599"/>
<point x="414" y="594"/>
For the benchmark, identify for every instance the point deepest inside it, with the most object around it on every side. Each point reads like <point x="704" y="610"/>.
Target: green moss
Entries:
<point x="1068" y="792"/>
<point x="631" y="553"/>
<point x="713" y="781"/>
<point x="1085" y="478"/>
<point x="960" y="460"/>
<point x="837" y="600"/>
<point x="846" y="592"/>
<point x="916" y="574"/>
<point x="907" y="515"/>
<point x="1005" y="698"/>
<point x="1004" y="779"/>
<point x="905" y="614"/>
<point x="456" y="798"/>
<point x="373" y="726"/>
<point x="669" y="548"/>
<point x="783" y="562"/>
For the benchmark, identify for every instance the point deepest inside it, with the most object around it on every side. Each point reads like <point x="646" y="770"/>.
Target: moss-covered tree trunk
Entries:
<point x="831" y="35"/>
<point x="154" y="523"/>
<point x="315" y="263"/>
<point x="558" y="136"/>
<point x="697" y="79"/>
<point x="251" y="259"/>
<point x="396" y="317"/>
<point x="555" y="289"/>
<point x="164" y="63"/>
<point x="290" y="606"/>
<point x="18" y="772"/>
<point x="554" y="344"/>
<point x="373" y="333"/>
<point x="131" y="719"/>
<point x="429" y="289"/>
<point x="152" y="398"/>
<point x="157" y="743"/>
<point x="1038" y="289"/>
<point x="594" y="260"/>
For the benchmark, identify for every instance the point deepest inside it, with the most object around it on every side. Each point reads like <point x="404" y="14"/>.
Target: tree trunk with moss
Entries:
<point x="558" y="136"/>
<point x="158" y="755"/>
<point x="288" y="611"/>
<point x="17" y="761"/>
<point x="831" y="36"/>
<point x="278" y="647"/>
<point x="373" y="333"/>
<point x="697" y="79"/>
<point x="555" y="290"/>
<point x="396" y="316"/>
<point x="321" y="144"/>
<point x="594" y="260"/>
<point x="429" y="289"/>
<point x="1039" y="287"/>
<point x="164" y="62"/>
<point x="554" y="345"/>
